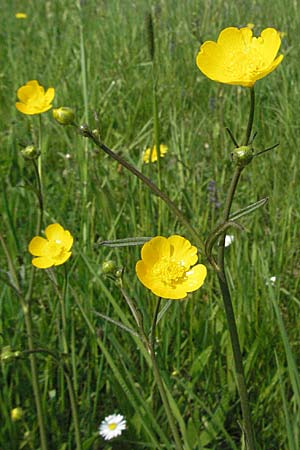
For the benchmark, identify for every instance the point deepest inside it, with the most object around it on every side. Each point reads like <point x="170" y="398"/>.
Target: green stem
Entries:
<point x="26" y="306"/>
<point x="40" y="147"/>
<point x="227" y="208"/>
<point x="158" y="379"/>
<point x="40" y="196"/>
<point x="84" y="155"/>
<point x="251" y="116"/>
<point x="87" y="133"/>
<point x="154" y="322"/>
<point x="157" y="144"/>
<point x="237" y="355"/>
<point x="238" y="361"/>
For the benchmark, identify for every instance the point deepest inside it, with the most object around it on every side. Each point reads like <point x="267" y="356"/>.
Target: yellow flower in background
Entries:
<point x="239" y="58"/>
<point x="168" y="267"/>
<point x="250" y="25"/>
<point x="34" y="99"/>
<point x="21" y="16"/>
<point x="152" y="153"/>
<point x="16" y="414"/>
<point x="54" y="250"/>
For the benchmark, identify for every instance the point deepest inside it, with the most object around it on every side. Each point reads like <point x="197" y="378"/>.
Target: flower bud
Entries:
<point x="108" y="267"/>
<point x="30" y="152"/>
<point x="16" y="414"/>
<point x="242" y="155"/>
<point x="63" y="115"/>
<point x="119" y="273"/>
<point x="7" y="353"/>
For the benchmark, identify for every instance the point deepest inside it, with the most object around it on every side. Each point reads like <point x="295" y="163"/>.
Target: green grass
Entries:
<point x="92" y="197"/>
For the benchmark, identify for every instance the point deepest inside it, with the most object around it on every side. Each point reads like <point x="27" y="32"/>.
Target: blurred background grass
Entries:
<point x="95" y="55"/>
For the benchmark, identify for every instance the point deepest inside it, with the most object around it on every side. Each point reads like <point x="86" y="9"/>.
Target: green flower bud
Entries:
<point x="30" y="152"/>
<point x="7" y="353"/>
<point x="242" y="155"/>
<point x="108" y="267"/>
<point x="63" y="115"/>
<point x="16" y="414"/>
<point x="119" y="273"/>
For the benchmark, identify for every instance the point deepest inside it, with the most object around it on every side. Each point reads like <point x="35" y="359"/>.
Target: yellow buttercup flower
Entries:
<point x="16" y="414"/>
<point x="34" y="99"/>
<point x="168" y="267"/>
<point x="152" y="153"/>
<point x="21" y="16"/>
<point x="54" y="250"/>
<point x="239" y="58"/>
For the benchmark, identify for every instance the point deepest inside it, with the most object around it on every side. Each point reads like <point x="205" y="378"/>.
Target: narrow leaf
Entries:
<point x="125" y="242"/>
<point x="118" y="324"/>
<point x="249" y="209"/>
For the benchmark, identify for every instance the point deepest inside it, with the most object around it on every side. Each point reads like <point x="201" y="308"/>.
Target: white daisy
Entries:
<point x="112" y="426"/>
<point x="229" y="238"/>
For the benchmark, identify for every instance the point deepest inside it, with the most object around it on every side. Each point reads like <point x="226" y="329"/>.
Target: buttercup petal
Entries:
<point x="25" y="109"/>
<point x="155" y="249"/>
<point x="270" y="45"/>
<point x="210" y="60"/>
<point x="234" y="39"/>
<point x="37" y="246"/>
<point x="55" y="232"/>
<point x="33" y="99"/>
<point x="142" y="272"/>
<point x="25" y="92"/>
<point x="62" y="258"/>
<point x="165" y="267"/>
<point x="194" y="278"/>
<point x="67" y="240"/>
<point x="270" y="68"/>
<point x="183" y="250"/>
<point x="173" y="292"/>
<point x="49" y="96"/>
<point x="43" y="262"/>
<point x="239" y="58"/>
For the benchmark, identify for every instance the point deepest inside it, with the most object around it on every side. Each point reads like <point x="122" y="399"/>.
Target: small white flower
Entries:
<point x="112" y="426"/>
<point x="229" y="238"/>
<point x="271" y="281"/>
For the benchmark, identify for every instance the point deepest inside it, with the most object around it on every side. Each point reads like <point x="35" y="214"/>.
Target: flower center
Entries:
<point x="55" y="249"/>
<point x="246" y="63"/>
<point x="112" y="426"/>
<point x="170" y="271"/>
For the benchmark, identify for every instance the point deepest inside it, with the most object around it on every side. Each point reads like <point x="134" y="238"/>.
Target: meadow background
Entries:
<point x="95" y="55"/>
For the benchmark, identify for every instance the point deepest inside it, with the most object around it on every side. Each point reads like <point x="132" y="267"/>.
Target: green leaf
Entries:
<point x="125" y="242"/>
<point x="249" y="209"/>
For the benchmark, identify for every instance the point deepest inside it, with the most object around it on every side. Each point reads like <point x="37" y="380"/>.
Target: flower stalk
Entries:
<point x="26" y="307"/>
<point x="86" y="132"/>
<point x="150" y="347"/>
<point x="237" y="355"/>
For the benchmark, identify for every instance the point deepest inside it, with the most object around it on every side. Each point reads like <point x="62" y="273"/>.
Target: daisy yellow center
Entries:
<point x="112" y="426"/>
<point x="169" y="271"/>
